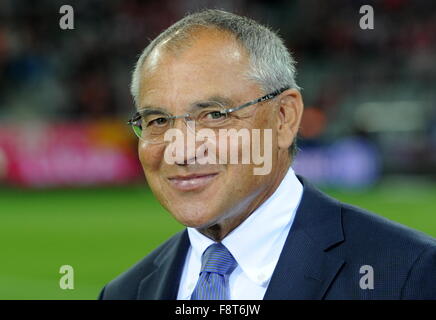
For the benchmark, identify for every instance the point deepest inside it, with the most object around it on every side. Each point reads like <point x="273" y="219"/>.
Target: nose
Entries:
<point x="185" y="146"/>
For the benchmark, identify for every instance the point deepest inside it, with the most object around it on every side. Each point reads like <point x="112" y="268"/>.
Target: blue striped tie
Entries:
<point x="216" y="265"/>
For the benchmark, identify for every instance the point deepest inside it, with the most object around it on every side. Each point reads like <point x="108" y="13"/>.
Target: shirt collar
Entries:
<point x="257" y="242"/>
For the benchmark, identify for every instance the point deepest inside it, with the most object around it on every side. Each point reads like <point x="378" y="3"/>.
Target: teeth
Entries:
<point x="191" y="180"/>
<point x="190" y="183"/>
<point x="197" y="177"/>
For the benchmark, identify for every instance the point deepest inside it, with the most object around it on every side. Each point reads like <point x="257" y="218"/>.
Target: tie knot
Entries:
<point x="218" y="259"/>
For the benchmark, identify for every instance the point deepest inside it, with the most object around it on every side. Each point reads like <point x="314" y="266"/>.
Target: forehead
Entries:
<point x="212" y="64"/>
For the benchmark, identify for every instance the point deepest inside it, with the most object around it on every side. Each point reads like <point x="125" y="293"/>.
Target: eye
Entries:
<point x="160" y="122"/>
<point x="138" y="123"/>
<point x="215" y="115"/>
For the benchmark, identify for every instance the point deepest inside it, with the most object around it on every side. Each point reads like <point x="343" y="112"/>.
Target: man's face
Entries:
<point x="203" y="195"/>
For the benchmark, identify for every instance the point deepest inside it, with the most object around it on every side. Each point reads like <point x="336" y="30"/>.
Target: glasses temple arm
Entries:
<point x="261" y="99"/>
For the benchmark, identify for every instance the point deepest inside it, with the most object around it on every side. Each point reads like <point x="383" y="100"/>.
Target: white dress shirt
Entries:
<point x="256" y="244"/>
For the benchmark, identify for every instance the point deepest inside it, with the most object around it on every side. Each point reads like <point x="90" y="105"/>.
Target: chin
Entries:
<point x="197" y="221"/>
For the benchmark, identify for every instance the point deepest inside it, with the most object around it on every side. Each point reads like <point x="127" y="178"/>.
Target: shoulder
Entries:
<point x="403" y="259"/>
<point x="360" y="228"/>
<point x="371" y="228"/>
<point x="125" y="286"/>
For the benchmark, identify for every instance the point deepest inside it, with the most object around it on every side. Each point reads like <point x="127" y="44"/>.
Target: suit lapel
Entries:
<point x="163" y="282"/>
<point x="305" y="268"/>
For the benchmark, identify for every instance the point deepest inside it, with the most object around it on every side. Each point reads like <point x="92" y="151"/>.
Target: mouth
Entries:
<point x="191" y="182"/>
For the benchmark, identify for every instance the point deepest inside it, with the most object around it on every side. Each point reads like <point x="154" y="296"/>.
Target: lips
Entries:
<point x="192" y="181"/>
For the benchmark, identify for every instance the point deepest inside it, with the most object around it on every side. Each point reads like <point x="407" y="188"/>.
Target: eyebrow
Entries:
<point x="149" y="109"/>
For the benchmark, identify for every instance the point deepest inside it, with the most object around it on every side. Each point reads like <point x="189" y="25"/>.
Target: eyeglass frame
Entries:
<point x="137" y="116"/>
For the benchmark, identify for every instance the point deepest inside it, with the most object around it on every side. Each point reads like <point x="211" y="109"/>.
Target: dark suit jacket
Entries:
<point x="322" y="257"/>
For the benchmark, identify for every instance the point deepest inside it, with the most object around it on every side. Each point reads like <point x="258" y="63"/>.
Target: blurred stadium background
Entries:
<point x="71" y="189"/>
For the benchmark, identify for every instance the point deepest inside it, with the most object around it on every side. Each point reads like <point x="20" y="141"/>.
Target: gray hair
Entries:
<point x="271" y="64"/>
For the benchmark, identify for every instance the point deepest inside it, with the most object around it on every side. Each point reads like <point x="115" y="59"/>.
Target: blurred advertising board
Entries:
<point x="349" y="162"/>
<point x="67" y="154"/>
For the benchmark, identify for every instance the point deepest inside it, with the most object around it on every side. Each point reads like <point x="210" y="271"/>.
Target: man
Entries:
<point x="250" y="236"/>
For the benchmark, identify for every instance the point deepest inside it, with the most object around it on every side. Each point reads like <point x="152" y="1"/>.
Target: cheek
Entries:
<point x="241" y="185"/>
<point x="150" y="156"/>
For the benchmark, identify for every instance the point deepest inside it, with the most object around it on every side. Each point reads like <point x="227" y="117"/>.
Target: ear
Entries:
<point x="289" y="117"/>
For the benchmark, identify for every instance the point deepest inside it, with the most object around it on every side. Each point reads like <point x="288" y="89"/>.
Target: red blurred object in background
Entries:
<point x="68" y="154"/>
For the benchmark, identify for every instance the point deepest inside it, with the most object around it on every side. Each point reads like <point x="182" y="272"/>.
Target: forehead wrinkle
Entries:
<point x="203" y="103"/>
<point x="215" y="98"/>
<point x="150" y="109"/>
<point x="164" y="58"/>
<point x="178" y="44"/>
<point x="174" y="45"/>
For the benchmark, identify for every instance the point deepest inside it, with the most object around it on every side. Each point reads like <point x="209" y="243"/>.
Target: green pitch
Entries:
<point x="101" y="232"/>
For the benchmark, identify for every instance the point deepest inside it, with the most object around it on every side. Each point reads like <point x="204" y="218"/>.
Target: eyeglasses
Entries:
<point x="151" y="125"/>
